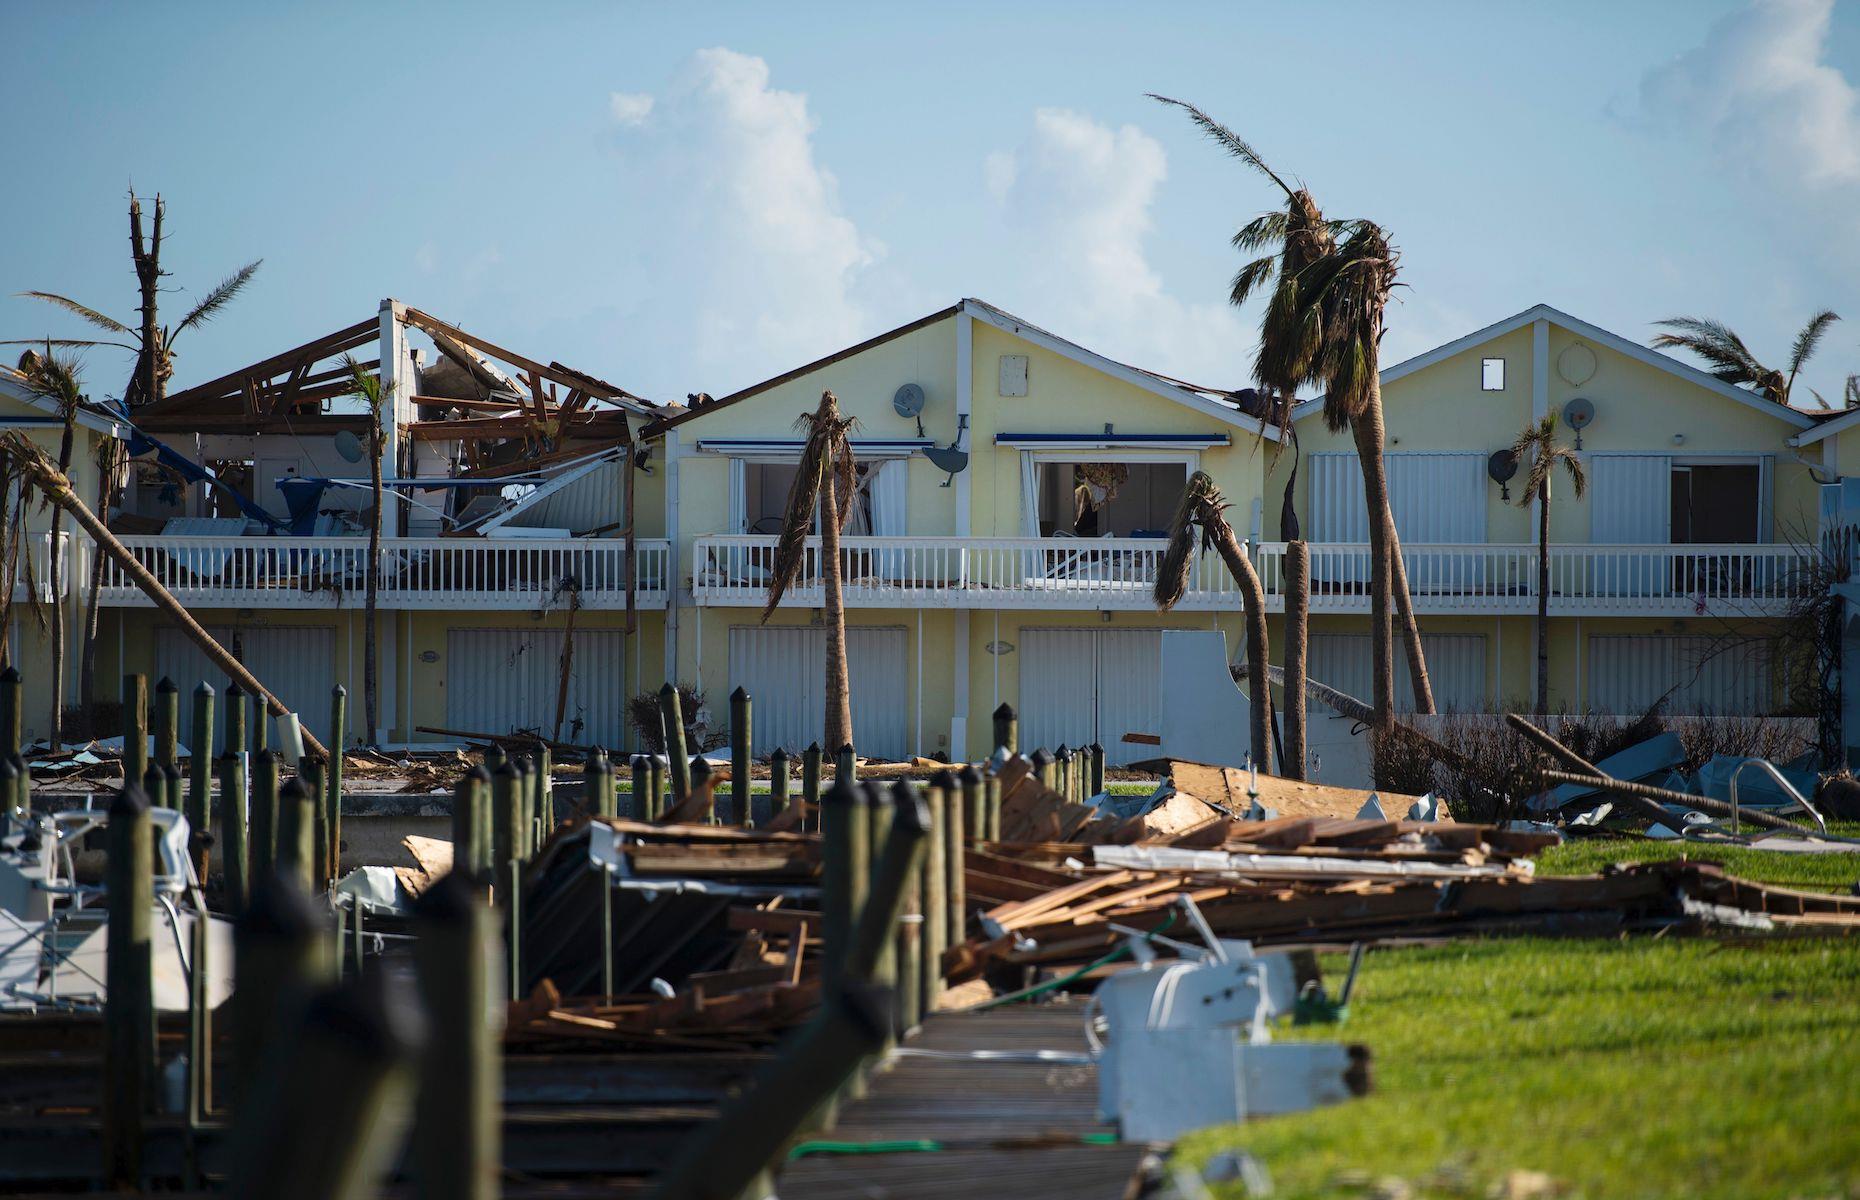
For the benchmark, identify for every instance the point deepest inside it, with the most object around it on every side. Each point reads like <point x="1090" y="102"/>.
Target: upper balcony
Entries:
<point x="1118" y="573"/>
<point x="34" y="572"/>
<point x="417" y="573"/>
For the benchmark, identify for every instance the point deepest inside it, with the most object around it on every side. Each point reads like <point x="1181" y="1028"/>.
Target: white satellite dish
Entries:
<point x="348" y="446"/>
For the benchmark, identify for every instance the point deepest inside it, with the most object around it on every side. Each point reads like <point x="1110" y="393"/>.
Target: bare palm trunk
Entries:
<point x="1543" y="602"/>
<point x="839" y="705"/>
<point x="93" y="608"/>
<point x="1258" y="641"/>
<point x="54" y="553"/>
<point x="1410" y="630"/>
<point x="1297" y="635"/>
<point x="1367" y="430"/>
<point x="370" y="699"/>
<point x="57" y="489"/>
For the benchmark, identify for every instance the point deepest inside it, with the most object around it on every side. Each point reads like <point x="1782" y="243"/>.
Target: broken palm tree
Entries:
<point x="823" y="485"/>
<point x="1201" y="510"/>
<point x="49" y="480"/>
<point x="1322" y="325"/>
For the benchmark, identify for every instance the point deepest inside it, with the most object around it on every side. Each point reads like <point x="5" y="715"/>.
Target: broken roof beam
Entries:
<point x="233" y="382"/>
<point x="554" y="372"/>
<point x="606" y="423"/>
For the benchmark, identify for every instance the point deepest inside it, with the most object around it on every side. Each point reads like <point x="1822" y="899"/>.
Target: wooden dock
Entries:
<point x="1010" y="1126"/>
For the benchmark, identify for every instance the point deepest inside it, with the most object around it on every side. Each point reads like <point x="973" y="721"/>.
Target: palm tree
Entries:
<point x="823" y="483"/>
<point x="1731" y="360"/>
<point x="1201" y="509"/>
<point x="1539" y="441"/>
<point x="150" y="341"/>
<point x="110" y="460"/>
<point x="1345" y="294"/>
<point x="56" y="380"/>
<point x="1291" y="350"/>
<point x="374" y="394"/>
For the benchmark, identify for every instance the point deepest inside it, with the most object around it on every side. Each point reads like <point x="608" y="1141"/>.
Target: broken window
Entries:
<point x="1109" y="499"/>
<point x="766" y="487"/>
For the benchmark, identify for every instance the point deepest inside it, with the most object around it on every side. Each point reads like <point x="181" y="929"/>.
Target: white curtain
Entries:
<point x="1029" y="495"/>
<point x="889" y="492"/>
<point x="739" y="498"/>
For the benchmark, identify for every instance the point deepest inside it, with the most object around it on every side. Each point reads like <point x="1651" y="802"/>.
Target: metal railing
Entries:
<point x="332" y="572"/>
<point x="1119" y="573"/>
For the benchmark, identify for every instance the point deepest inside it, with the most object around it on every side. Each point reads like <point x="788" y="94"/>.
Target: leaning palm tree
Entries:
<point x="823" y="484"/>
<point x="56" y="379"/>
<point x="373" y="393"/>
<point x="1539" y="442"/>
<point x="150" y="341"/>
<point x="1346" y="294"/>
<point x="1290" y="349"/>
<point x="1730" y="359"/>
<point x="1201" y="511"/>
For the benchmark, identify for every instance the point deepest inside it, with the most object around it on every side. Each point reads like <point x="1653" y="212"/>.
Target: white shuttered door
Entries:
<point x="1628" y="672"/>
<point x="783" y="669"/>
<point x="1438" y="499"/>
<point x="1079" y="686"/>
<point x="1630" y="503"/>
<point x="1455" y="666"/>
<point x="503" y="680"/>
<point x="295" y="662"/>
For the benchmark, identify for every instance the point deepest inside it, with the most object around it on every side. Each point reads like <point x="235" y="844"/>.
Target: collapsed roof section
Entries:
<point x="473" y="390"/>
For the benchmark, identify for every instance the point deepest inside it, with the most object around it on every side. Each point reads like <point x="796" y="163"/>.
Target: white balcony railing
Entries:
<point x="442" y="573"/>
<point x="35" y="568"/>
<point x="1119" y="573"/>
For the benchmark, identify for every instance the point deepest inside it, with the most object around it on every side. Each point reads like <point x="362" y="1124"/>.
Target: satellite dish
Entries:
<point x="1501" y="466"/>
<point x="349" y="446"/>
<point x="908" y="401"/>
<point x="951" y="458"/>
<point x="1578" y="414"/>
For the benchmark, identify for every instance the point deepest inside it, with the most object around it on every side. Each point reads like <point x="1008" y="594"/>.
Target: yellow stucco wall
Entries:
<point x="1639" y="408"/>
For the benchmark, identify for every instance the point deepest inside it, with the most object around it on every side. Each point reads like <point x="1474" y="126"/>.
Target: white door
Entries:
<point x="1696" y="674"/>
<point x="295" y="662"/>
<point x="783" y="669"/>
<point x="1437" y="499"/>
<point x="503" y="680"/>
<point x="1079" y="686"/>
<point x="1455" y="667"/>
<point x="1630" y="503"/>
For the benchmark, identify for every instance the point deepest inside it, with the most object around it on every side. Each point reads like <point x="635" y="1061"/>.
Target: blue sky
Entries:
<point x="684" y="198"/>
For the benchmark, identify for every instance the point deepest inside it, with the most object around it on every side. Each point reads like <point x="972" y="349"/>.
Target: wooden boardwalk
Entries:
<point x="1009" y="1128"/>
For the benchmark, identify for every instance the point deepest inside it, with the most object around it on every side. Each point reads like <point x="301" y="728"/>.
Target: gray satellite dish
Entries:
<point x="348" y="446"/>
<point x="1578" y="414"/>
<point x="1501" y="466"/>
<point x="908" y="401"/>
<point x="951" y="458"/>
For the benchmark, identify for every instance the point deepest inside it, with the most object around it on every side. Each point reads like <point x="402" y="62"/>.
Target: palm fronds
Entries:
<point x="1344" y="294"/>
<point x="826" y="450"/>
<point x="363" y="384"/>
<point x="1226" y="138"/>
<point x="1201" y="498"/>
<point x="1538" y="444"/>
<point x="109" y="324"/>
<point x="52" y="378"/>
<point x="1806" y="341"/>
<point x="219" y="297"/>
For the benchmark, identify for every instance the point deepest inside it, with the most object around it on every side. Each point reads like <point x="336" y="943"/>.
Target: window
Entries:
<point x="1109" y="499"/>
<point x="765" y="498"/>
<point x="1716" y="503"/>
<point x="1013" y="375"/>
<point x="1492" y="375"/>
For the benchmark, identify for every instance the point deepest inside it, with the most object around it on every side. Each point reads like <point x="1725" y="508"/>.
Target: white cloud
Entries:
<point x="1077" y="195"/>
<point x="1758" y="88"/>
<point x="757" y="254"/>
<point x="629" y="108"/>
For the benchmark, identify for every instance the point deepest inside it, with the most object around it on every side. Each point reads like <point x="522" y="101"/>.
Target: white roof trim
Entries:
<point x="1009" y="323"/>
<point x="1827" y="429"/>
<point x="14" y="390"/>
<point x="1595" y="333"/>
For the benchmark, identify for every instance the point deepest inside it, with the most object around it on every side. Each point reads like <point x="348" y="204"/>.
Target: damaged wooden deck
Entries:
<point x="1006" y="1127"/>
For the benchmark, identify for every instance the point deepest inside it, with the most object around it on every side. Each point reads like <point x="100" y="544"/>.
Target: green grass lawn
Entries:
<point x="1811" y="872"/>
<point x="1635" y="1067"/>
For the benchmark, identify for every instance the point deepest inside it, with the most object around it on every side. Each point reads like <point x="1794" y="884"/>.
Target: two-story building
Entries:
<point x="1013" y="493"/>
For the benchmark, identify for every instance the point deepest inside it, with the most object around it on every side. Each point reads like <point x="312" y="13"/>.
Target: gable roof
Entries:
<point x="1594" y="333"/>
<point x="1149" y="381"/>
